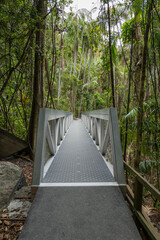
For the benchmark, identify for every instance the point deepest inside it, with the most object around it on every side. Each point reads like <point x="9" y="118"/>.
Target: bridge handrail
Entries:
<point x="52" y="126"/>
<point x="94" y="121"/>
<point x="135" y="198"/>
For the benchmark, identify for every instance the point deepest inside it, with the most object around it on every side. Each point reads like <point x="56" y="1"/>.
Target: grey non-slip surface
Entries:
<point x="79" y="213"/>
<point x="78" y="159"/>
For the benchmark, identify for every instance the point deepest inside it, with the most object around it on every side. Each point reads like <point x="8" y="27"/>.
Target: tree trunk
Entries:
<point x="84" y="81"/>
<point x="74" y="92"/>
<point x="128" y="98"/>
<point x="110" y="52"/>
<point x="79" y="73"/>
<point x="85" y="66"/>
<point x="89" y="67"/>
<point x="39" y="71"/>
<point x="49" y="85"/>
<point x="60" y="63"/>
<point x="139" y="56"/>
<point x="141" y="94"/>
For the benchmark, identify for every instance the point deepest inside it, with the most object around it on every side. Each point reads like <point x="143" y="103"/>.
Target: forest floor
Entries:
<point x="12" y="218"/>
<point x="12" y="225"/>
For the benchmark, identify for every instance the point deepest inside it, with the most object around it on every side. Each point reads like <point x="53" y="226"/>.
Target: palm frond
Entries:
<point x="132" y="114"/>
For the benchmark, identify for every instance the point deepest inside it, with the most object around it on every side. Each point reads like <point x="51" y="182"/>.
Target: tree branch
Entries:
<point x="23" y="54"/>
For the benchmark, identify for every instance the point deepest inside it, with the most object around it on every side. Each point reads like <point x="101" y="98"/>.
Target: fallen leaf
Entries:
<point x="1" y="236"/>
<point x="4" y="215"/>
<point x="6" y="236"/>
<point x="5" y="210"/>
<point x="20" y="229"/>
<point x="7" y="223"/>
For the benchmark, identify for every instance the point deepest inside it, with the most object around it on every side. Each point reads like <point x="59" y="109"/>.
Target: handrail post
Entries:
<point x="40" y="148"/>
<point x="89" y="123"/>
<point x="62" y="128"/>
<point x="96" y="132"/>
<point x="116" y="147"/>
<point x="54" y="134"/>
<point x="58" y="131"/>
<point x="94" y="129"/>
<point x="138" y="192"/>
<point x="100" y="130"/>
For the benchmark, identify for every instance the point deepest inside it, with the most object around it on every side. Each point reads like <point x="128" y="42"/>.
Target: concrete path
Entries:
<point x="65" y="208"/>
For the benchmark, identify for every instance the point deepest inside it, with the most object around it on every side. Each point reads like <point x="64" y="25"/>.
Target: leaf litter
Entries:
<point x="11" y="224"/>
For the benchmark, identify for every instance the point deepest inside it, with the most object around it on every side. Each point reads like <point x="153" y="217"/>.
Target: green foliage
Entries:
<point x="128" y="31"/>
<point x="145" y="167"/>
<point x="138" y="7"/>
<point x="132" y="114"/>
<point x="99" y="102"/>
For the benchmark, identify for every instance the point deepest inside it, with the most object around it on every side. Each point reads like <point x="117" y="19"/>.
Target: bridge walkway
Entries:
<point x="78" y="198"/>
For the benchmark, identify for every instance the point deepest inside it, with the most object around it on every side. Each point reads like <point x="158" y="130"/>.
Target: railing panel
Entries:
<point x="50" y="139"/>
<point x="62" y="128"/>
<point x="52" y="126"/>
<point x="54" y="134"/>
<point x="58" y="131"/>
<point x="105" y="138"/>
<point x="40" y="148"/>
<point x="116" y="146"/>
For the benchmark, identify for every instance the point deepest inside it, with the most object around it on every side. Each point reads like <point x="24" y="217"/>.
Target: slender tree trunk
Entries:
<point x="70" y="73"/>
<point x="84" y="80"/>
<point x="74" y="92"/>
<point x="154" y="79"/>
<point x="128" y="99"/>
<point x="110" y="52"/>
<point x="89" y="68"/>
<point x="85" y="66"/>
<point x="139" y="56"/>
<point x="79" y="73"/>
<point x="43" y="41"/>
<point x="38" y="84"/>
<point x="59" y="83"/>
<point x="54" y="57"/>
<point x="60" y="64"/>
<point x="49" y="84"/>
<point x="141" y="95"/>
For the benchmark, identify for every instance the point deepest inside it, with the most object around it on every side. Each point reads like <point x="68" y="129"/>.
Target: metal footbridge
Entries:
<point x="78" y="171"/>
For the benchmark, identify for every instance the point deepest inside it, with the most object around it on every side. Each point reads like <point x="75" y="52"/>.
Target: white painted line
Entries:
<point x="82" y="184"/>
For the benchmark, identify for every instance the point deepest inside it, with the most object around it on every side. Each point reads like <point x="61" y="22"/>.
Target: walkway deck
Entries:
<point x="78" y="160"/>
<point x="65" y="208"/>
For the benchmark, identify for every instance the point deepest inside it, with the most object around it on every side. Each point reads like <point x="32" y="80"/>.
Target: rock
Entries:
<point x="24" y="192"/>
<point x="11" y="179"/>
<point x="18" y="208"/>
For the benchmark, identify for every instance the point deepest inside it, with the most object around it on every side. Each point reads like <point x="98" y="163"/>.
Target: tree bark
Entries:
<point x="60" y="64"/>
<point x="128" y="98"/>
<point x="89" y="68"/>
<point x="141" y="94"/>
<point x="39" y="70"/>
<point x="110" y="52"/>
